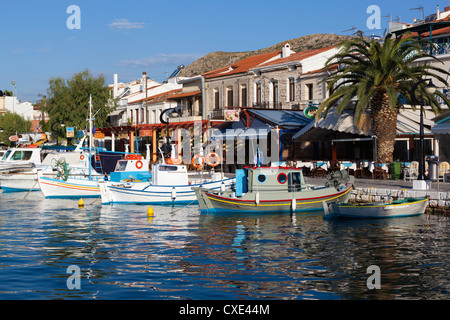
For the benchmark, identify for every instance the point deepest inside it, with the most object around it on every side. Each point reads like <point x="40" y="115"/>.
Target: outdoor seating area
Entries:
<point x="368" y="169"/>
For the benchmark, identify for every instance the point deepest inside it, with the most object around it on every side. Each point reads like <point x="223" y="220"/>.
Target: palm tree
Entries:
<point x="377" y="73"/>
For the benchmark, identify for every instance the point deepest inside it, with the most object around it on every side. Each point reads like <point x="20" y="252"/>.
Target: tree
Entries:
<point x="68" y="100"/>
<point x="12" y="123"/>
<point x="376" y="73"/>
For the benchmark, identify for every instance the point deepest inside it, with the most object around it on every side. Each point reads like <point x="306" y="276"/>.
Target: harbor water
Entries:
<point x="178" y="253"/>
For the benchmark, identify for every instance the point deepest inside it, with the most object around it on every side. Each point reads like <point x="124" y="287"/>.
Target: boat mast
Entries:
<point x="90" y="133"/>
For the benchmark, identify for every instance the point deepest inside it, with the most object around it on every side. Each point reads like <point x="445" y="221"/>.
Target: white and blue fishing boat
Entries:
<point x="170" y="184"/>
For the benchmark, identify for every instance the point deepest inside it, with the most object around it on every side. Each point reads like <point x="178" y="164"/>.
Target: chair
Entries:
<point x="318" y="171"/>
<point x="411" y="172"/>
<point x="378" y="172"/>
<point x="444" y="167"/>
<point x="359" y="171"/>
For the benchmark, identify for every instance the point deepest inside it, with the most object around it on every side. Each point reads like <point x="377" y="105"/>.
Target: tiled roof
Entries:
<point x="185" y="94"/>
<point x="241" y="66"/>
<point x="298" y="56"/>
<point x="160" y="96"/>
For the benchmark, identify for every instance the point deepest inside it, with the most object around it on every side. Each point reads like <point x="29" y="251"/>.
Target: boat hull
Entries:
<point x="19" y="182"/>
<point x="72" y="188"/>
<point x="303" y="201"/>
<point x="403" y="208"/>
<point x="145" y="193"/>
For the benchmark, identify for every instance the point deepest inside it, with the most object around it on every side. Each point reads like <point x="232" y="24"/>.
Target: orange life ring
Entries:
<point x="139" y="164"/>
<point x="214" y="155"/>
<point x="194" y="162"/>
<point x="82" y="157"/>
<point x="97" y="158"/>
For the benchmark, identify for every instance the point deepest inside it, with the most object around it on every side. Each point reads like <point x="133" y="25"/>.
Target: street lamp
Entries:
<point x="430" y="88"/>
<point x="56" y="130"/>
<point x="171" y="113"/>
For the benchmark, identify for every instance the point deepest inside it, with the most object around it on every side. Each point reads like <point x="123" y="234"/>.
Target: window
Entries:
<point x="22" y="155"/>
<point x="294" y="181"/>
<point x="244" y="96"/>
<point x="282" y="178"/>
<point x="262" y="178"/>
<point x="310" y="91"/>
<point x="168" y="168"/>
<point x="275" y="94"/>
<point x="216" y="99"/>
<point x="121" y="165"/>
<point x="291" y="89"/>
<point x="258" y="93"/>
<point x="230" y="97"/>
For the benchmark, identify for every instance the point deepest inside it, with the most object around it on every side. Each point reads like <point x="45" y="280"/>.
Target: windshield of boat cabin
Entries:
<point x="22" y="155"/>
<point x="6" y="155"/>
<point x="121" y="165"/>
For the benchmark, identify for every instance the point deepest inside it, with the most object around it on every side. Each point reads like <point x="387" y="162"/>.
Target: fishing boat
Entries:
<point x="397" y="208"/>
<point x="275" y="189"/>
<point x="170" y="184"/>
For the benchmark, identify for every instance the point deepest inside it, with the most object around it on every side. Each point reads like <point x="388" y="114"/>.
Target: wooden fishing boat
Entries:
<point x="275" y="189"/>
<point x="397" y="208"/>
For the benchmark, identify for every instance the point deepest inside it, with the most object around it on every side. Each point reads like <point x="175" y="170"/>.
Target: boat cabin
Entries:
<point x="132" y="167"/>
<point x="23" y="154"/>
<point x="169" y="175"/>
<point x="268" y="179"/>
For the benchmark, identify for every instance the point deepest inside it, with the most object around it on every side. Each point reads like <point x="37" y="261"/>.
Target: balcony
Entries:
<point x="268" y="105"/>
<point x="216" y="114"/>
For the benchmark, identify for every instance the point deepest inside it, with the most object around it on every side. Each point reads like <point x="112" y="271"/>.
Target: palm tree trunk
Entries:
<point x="384" y="125"/>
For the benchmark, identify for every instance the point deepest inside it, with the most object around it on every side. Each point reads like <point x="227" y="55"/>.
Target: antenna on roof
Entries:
<point x="421" y="9"/>
<point x="388" y="16"/>
<point x="354" y="28"/>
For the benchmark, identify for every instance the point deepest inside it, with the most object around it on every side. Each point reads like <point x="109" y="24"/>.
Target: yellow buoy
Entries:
<point x="150" y="212"/>
<point x="81" y="203"/>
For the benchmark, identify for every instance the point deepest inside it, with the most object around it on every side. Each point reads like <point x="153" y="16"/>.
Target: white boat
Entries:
<point x="27" y="180"/>
<point x="20" y="159"/>
<point x="170" y="184"/>
<point x="86" y="185"/>
<point x="397" y="208"/>
<point x="24" y="178"/>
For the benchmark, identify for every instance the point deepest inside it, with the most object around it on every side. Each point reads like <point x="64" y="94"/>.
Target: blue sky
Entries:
<point x="129" y="37"/>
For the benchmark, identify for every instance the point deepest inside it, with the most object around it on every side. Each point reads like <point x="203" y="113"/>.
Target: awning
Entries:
<point x="117" y="112"/>
<point x="344" y="123"/>
<point x="408" y="122"/>
<point x="442" y="127"/>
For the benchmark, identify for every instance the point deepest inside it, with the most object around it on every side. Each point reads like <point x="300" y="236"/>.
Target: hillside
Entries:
<point x="219" y="59"/>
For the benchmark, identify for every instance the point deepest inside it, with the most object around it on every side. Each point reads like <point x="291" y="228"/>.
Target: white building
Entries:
<point x="14" y="105"/>
<point x="134" y="107"/>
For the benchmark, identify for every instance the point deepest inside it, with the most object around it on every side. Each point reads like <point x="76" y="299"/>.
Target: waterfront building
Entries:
<point x="434" y="27"/>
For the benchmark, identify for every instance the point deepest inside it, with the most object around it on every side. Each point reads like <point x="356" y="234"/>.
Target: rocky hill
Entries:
<point x="219" y="59"/>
